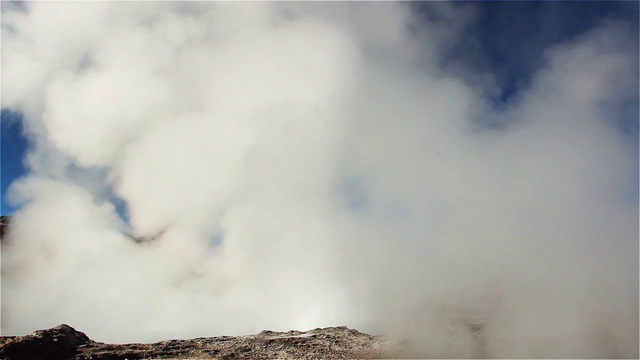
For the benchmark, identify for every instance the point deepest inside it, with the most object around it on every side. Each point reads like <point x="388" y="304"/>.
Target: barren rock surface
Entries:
<point x="64" y="342"/>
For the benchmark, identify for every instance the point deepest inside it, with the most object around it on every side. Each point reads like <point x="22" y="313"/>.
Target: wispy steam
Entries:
<point x="312" y="164"/>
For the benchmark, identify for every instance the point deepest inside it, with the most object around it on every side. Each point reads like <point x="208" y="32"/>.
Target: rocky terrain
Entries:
<point x="64" y="342"/>
<point x="4" y="225"/>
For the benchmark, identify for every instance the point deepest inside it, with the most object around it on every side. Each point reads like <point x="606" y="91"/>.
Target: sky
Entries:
<point x="13" y="149"/>
<point x="377" y="165"/>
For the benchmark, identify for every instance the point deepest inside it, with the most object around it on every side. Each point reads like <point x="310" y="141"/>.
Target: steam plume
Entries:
<point x="310" y="165"/>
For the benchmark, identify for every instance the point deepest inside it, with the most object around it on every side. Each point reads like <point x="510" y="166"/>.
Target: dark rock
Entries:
<point x="60" y="342"/>
<point x="4" y="225"/>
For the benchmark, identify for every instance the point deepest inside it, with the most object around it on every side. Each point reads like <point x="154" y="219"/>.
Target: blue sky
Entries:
<point x="14" y="146"/>
<point x="507" y="39"/>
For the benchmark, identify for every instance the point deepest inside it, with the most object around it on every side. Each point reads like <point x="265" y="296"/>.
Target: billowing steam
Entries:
<point x="309" y="164"/>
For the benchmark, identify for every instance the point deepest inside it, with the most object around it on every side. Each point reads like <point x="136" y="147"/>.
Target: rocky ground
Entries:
<point x="4" y="225"/>
<point x="64" y="342"/>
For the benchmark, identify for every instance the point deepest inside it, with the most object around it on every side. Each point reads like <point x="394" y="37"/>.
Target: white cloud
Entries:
<point x="248" y="121"/>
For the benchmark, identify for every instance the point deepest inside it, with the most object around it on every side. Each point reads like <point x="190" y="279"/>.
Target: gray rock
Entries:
<point x="64" y="342"/>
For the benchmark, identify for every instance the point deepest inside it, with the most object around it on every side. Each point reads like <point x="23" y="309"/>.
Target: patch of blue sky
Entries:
<point x="355" y="196"/>
<point x="512" y="46"/>
<point x="216" y="239"/>
<point x="360" y="202"/>
<point x="96" y="181"/>
<point x="13" y="147"/>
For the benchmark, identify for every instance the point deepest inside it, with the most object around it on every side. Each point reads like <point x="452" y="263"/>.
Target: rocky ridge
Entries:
<point x="4" y="225"/>
<point x="64" y="342"/>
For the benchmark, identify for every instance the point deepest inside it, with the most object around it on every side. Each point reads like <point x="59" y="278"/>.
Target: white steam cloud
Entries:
<point x="310" y="165"/>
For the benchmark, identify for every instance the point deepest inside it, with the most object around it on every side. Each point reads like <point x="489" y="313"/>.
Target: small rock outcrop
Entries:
<point x="60" y="342"/>
<point x="4" y="225"/>
<point x="64" y="342"/>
